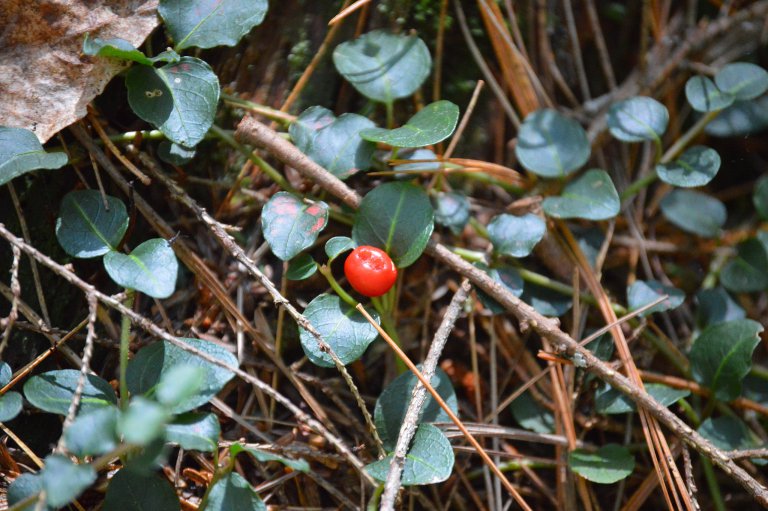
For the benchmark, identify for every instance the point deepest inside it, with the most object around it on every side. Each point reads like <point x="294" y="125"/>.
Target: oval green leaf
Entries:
<point x="516" y="236"/>
<point x="717" y="306"/>
<point x="179" y="383"/>
<point x="384" y="66"/>
<point x="291" y="225"/>
<point x="6" y="373"/>
<point x="432" y="124"/>
<point x="610" y="401"/>
<point x="10" y="406"/>
<point x="194" y="431"/>
<point x="638" y="119"/>
<point x="180" y="98"/>
<point x="760" y="197"/>
<point x="174" y="154"/>
<point x="133" y="490"/>
<point x="431" y="165"/>
<point x="531" y="415"/>
<point x="429" y="459"/>
<point x="153" y="362"/>
<point x="232" y="491"/>
<point x="696" y="167"/>
<point x="53" y="391"/>
<point x="345" y="330"/>
<point x="114" y="48"/>
<point x="551" y="145"/>
<point x="337" y="245"/>
<point x="266" y="457"/>
<point x="704" y="96"/>
<point x="507" y="276"/>
<point x="86" y="227"/>
<point x="93" y="433"/>
<point x="742" y="80"/>
<point x="209" y="23"/>
<point x="151" y="268"/>
<point x="610" y="464"/>
<point x="304" y="129"/>
<point x="546" y="301"/>
<point x="143" y="422"/>
<point x="694" y="212"/>
<point x="21" y="152"/>
<point x="721" y="356"/>
<point x="451" y="210"/>
<point x="301" y="267"/>
<point x="393" y="402"/>
<point x="23" y="487"/>
<point x="728" y="433"/>
<point x="643" y="292"/>
<point x="63" y="480"/>
<point x="748" y="271"/>
<point x="591" y="196"/>
<point x="396" y="217"/>
<point x="740" y="119"/>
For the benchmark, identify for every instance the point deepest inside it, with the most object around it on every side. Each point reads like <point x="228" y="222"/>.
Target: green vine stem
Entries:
<point x="125" y="341"/>
<point x="270" y="113"/>
<point x="325" y="271"/>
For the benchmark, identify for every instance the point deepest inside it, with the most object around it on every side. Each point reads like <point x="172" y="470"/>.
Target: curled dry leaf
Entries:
<point x="46" y="81"/>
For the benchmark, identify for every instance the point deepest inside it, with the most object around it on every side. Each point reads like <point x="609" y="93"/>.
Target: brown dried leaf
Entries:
<point x="45" y="80"/>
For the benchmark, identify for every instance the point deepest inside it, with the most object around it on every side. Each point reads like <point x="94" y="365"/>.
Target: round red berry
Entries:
<point x="370" y="271"/>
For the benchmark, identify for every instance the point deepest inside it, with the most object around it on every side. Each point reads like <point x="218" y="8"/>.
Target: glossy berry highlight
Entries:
<point x="370" y="271"/>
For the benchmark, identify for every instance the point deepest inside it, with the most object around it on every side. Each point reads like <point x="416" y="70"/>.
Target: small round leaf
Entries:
<point x="742" y="80"/>
<point x="638" y="119"/>
<point x="704" y="96"/>
<point x="531" y="415"/>
<point x="133" y="490"/>
<point x="748" y="271"/>
<point x="643" y="292"/>
<point x="551" y="145"/>
<point x="143" y="422"/>
<point x="384" y="66"/>
<point x="11" y="404"/>
<point x="516" y="236"/>
<point x="23" y="487"/>
<point x="740" y="119"/>
<point x="591" y="196"/>
<point x="86" y="227"/>
<point x="93" y="433"/>
<point x="63" y="480"/>
<point x="6" y="373"/>
<point x="432" y="124"/>
<point x="194" y="431"/>
<point x="151" y="268"/>
<point x="431" y="165"/>
<point x="232" y="492"/>
<point x="728" y="433"/>
<point x="546" y="301"/>
<point x="610" y="401"/>
<point x="760" y="197"/>
<point x="507" y="276"/>
<point x="451" y="210"/>
<point x="396" y="217"/>
<point x="265" y="457"/>
<point x="21" y="152"/>
<point x="53" y="391"/>
<point x="694" y="212"/>
<point x="337" y="246"/>
<point x="345" y="330"/>
<point x="696" y="167"/>
<point x="429" y="459"/>
<point x="717" y="306"/>
<point x="610" y="464"/>
<point x="291" y="225"/>
<point x="115" y="48"/>
<point x="301" y="267"/>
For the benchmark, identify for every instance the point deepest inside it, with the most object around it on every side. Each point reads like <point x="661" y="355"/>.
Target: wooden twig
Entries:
<point x="16" y="296"/>
<point x="419" y="397"/>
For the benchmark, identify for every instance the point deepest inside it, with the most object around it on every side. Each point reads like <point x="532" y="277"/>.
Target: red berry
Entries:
<point x="370" y="271"/>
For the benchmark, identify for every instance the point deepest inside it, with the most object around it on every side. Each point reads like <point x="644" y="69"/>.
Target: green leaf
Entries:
<point x="345" y="330"/>
<point x="704" y="96"/>
<point x="546" y="301"/>
<point x="174" y="154"/>
<point x="638" y="119"/>
<point x="611" y="463"/>
<point x="153" y="362"/>
<point x="179" y="383"/>
<point x="516" y="236"/>
<point x="721" y="356"/>
<point x="731" y="434"/>
<point x="10" y="406"/>
<point x="53" y="391"/>
<point x="151" y="268"/>
<point x="451" y="210"/>
<point x="610" y="401"/>
<point x="291" y="225"/>
<point x="760" y="197"/>
<point x="740" y="119"/>
<point x="694" y="212"/>
<point x="531" y="415"/>
<point x="122" y="49"/>
<point x="180" y="99"/>
<point x="396" y="217"/>
<point x="717" y="306"/>
<point x="131" y="490"/>
<point x="417" y="166"/>
<point x="143" y="421"/>
<point x="591" y="196"/>
<point x="6" y="373"/>
<point x="429" y="459"/>
<point x="742" y="80"/>
<point x="643" y="292"/>
<point x="507" y="276"/>
<point x="748" y="271"/>
<point x="332" y="143"/>
<point x="265" y="457"/>
<point x="231" y="492"/>
<point x="86" y="227"/>
<point x="301" y="267"/>
<point x="194" y="431"/>
<point x="24" y="487"/>
<point x="696" y="167"/>
<point x="337" y="245"/>
<point x="93" y="433"/>
<point x="21" y="152"/>
<point x="551" y="145"/>
<point x="393" y="402"/>
<point x="63" y="481"/>
<point x="209" y="23"/>
<point x="384" y="66"/>
<point x="432" y="124"/>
